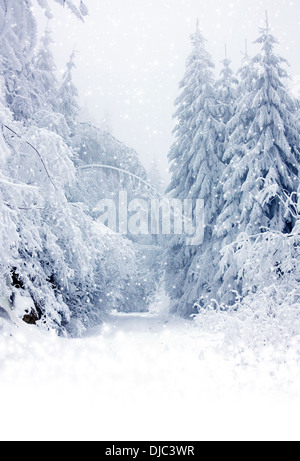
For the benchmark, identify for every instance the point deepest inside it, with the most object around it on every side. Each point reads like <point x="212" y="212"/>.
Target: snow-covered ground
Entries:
<point x="143" y="377"/>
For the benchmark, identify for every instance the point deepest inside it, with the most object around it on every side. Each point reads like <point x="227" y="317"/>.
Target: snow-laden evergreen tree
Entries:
<point x="54" y="256"/>
<point x="68" y="95"/>
<point x="241" y="106"/>
<point x="263" y="155"/>
<point x="70" y="267"/>
<point x="17" y="41"/>
<point x="196" y="168"/>
<point x="155" y="176"/>
<point x="44" y="71"/>
<point x="35" y="99"/>
<point x="43" y="78"/>
<point x="226" y="93"/>
<point x="17" y="45"/>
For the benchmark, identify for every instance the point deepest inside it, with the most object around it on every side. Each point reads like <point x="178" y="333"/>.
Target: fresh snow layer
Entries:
<point x="143" y="377"/>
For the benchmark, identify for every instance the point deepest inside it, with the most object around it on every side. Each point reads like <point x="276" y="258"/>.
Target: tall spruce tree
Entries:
<point x="43" y="79"/>
<point x="18" y="34"/>
<point x="44" y="72"/>
<point x="203" y="277"/>
<point x="196" y="166"/>
<point x="263" y="154"/>
<point x="68" y="95"/>
<point x="226" y="90"/>
<point x="155" y="177"/>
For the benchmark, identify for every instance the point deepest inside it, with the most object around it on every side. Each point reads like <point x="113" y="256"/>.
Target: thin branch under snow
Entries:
<point x="37" y="152"/>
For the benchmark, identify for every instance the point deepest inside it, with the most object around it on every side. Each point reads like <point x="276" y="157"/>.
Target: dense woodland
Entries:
<point x="237" y="147"/>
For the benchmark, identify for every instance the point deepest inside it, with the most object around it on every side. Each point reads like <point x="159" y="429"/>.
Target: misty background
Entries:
<point x="131" y="56"/>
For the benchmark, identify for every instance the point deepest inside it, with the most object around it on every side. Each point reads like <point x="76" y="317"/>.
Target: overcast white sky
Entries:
<point x="132" y="53"/>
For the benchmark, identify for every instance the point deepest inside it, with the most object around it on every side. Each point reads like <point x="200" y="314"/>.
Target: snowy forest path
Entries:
<point x="145" y="377"/>
<point x="131" y="323"/>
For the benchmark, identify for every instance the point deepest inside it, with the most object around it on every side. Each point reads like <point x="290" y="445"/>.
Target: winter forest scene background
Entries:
<point x="149" y="220"/>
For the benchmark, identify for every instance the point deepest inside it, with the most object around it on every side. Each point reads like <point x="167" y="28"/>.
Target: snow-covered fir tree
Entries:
<point x="155" y="176"/>
<point x="263" y="155"/>
<point x="44" y="72"/>
<point x="68" y="95"/>
<point x="43" y="79"/>
<point x="226" y="93"/>
<point x="196" y="167"/>
<point x="17" y="42"/>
